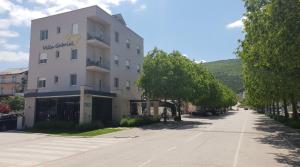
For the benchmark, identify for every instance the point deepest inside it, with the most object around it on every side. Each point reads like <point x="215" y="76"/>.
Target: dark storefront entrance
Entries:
<point x="58" y="109"/>
<point x="102" y="110"/>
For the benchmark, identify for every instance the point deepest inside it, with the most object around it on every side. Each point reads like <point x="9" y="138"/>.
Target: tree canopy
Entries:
<point x="172" y="76"/>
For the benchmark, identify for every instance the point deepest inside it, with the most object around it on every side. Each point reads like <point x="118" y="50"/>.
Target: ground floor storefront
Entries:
<point x="76" y="107"/>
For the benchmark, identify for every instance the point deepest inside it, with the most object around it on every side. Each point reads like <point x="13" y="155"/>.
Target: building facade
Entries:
<point x="13" y="81"/>
<point x="83" y="67"/>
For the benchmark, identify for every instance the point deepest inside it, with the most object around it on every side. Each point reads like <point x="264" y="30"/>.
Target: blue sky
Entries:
<point x="201" y="29"/>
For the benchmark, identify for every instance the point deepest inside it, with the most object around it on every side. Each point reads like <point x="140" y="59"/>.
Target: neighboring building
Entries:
<point x="83" y="67"/>
<point x="13" y="81"/>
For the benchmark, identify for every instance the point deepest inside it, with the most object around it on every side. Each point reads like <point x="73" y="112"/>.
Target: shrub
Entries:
<point x="15" y="102"/>
<point x="4" y="108"/>
<point x="139" y="121"/>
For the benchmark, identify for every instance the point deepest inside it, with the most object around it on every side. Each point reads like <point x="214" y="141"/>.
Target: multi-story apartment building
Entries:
<point x="13" y="81"/>
<point x="83" y="67"/>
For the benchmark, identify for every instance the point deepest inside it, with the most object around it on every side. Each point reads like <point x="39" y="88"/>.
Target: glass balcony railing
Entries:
<point x="90" y="62"/>
<point x="100" y="38"/>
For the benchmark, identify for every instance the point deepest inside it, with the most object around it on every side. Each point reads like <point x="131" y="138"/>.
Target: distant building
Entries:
<point x="13" y="81"/>
<point x="83" y="67"/>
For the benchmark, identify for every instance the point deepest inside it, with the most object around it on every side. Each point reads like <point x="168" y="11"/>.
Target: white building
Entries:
<point x="83" y="67"/>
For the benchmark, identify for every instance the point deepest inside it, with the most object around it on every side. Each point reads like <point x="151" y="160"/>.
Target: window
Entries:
<point x="128" y="85"/>
<point x="116" y="36"/>
<point x="57" y="54"/>
<point x="43" y="58"/>
<point x="73" y="79"/>
<point x="75" y="28"/>
<point x="13" y="91"/>
<point x="100" y="85"/>
<point x="55" y="79"/>
<point x="116" y="60"/>
<point x="1" y="90"/>
<point x="127" y="64"/>
<point x="14" y="78"/>
<point x="138" y="50"/>
<point x="74" y="54"/>
<point x="43" y="35"/>
<point x="58" y="30"/>
<point x="41" y="82"/>
<point x="127" y="44"/>
<point x="138" y="68"/>
<point x="116" y="82"/>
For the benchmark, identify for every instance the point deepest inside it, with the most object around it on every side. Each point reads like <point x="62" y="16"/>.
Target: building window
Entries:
<point x="116" y="82"/>
<point x="55" y="79"/>
<point x="13" y="91"/>
<point x="43" y="58"/>
<point x="58" y="30"/>
<point x="127" y="85"/>
<point x="1" y="91"/>
<point x="74" y="54"/>
<point x="57" y="54"/>
<point x="116" y="60"/>
<point x="127" y="44"/>
<point x="138" y="50"/>
<point x="138" y="68"/>
<point x="127" y="64"/>
<point x="43" y="35"/>
<point x="14" y="78"/>
<point x="117" y="37"/>
<point x="100" y="85"/>
<point x="41" y="82"/>
<point x="75" y="28"/>
<point x="73" y="79"/>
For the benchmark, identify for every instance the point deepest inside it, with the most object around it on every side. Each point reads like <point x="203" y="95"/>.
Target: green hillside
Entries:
<point x="229" y="72"/>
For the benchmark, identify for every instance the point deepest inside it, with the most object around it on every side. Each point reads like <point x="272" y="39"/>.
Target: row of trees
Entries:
<point x="171" y="76"/>
<point x="270" y="54"/>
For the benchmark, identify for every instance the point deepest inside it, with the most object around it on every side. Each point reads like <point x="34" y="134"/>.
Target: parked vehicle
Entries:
<point x="8" y="122"/>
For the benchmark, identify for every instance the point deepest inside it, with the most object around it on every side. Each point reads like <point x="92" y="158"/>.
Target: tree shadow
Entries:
<point x="213" y="117"/>
<point x="173" y="125"/>
<point x="280" y="137"/>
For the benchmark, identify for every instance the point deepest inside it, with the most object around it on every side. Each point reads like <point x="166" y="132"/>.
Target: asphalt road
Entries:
<point x="239" y="138"/>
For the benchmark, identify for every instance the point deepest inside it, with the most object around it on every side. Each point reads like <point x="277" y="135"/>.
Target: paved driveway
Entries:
<point x="241" y="138"/>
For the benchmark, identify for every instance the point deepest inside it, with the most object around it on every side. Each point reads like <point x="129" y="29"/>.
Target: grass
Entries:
<point x="295" y="124"/>
<point x="89" y="133"/>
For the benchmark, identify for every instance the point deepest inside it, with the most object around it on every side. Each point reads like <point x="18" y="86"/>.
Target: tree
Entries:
<point x="16" y="103"/>
<point x="4" y="108"/>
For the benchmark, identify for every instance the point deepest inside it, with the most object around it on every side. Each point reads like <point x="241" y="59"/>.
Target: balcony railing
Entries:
<point x="90" y="62"/>
<point x="98" y="38"/>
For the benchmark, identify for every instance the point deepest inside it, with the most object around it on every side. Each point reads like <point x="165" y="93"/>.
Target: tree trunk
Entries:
<point x="286" y="112"/>
<point x="165" y="112"/>
<point x="273" y="109"/>
<point x="277" y="108"/>
<point x="294" y="106"/>
<point x="179" y="110"/>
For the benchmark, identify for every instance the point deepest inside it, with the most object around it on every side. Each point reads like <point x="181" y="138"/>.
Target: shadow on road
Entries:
<point x="223" y="116"/>
<point x="280" y="137"/>
<point x="183" y="125"/>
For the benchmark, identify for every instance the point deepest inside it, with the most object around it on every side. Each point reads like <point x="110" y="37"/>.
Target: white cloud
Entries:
<point x="236" y="24"/>
<point x="142" y="7"/>
<point x="10" y="56"/>
<point x="8" y="33"/>
<point x="200" y="61"/>
<point x="7" y="46"/>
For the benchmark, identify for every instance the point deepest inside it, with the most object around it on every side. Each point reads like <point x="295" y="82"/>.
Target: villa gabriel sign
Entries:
<point x="72" y="40"/>
<point x="58" y="45"/>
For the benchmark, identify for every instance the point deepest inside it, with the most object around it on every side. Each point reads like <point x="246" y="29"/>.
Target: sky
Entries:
<point x="202" y="30"/>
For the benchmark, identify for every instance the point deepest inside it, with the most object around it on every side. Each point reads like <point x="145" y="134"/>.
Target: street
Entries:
<point x="236" y="139"/>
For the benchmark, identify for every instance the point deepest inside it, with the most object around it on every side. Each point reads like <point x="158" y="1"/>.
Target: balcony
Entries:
<point x="97" y="66"/>
<point x="98" y="41"/>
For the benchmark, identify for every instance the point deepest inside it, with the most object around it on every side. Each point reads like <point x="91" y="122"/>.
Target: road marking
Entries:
<point x="237" y="152"/>
<point x="171" y="148"/>
<point x="145" y="163"/>
<point x="197" y="135"/>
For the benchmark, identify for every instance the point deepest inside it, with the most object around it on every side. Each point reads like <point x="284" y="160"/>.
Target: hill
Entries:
<point x="229" y="72"/>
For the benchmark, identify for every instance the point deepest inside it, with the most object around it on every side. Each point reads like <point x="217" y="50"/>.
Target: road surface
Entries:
<point x="237" y="139"/>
